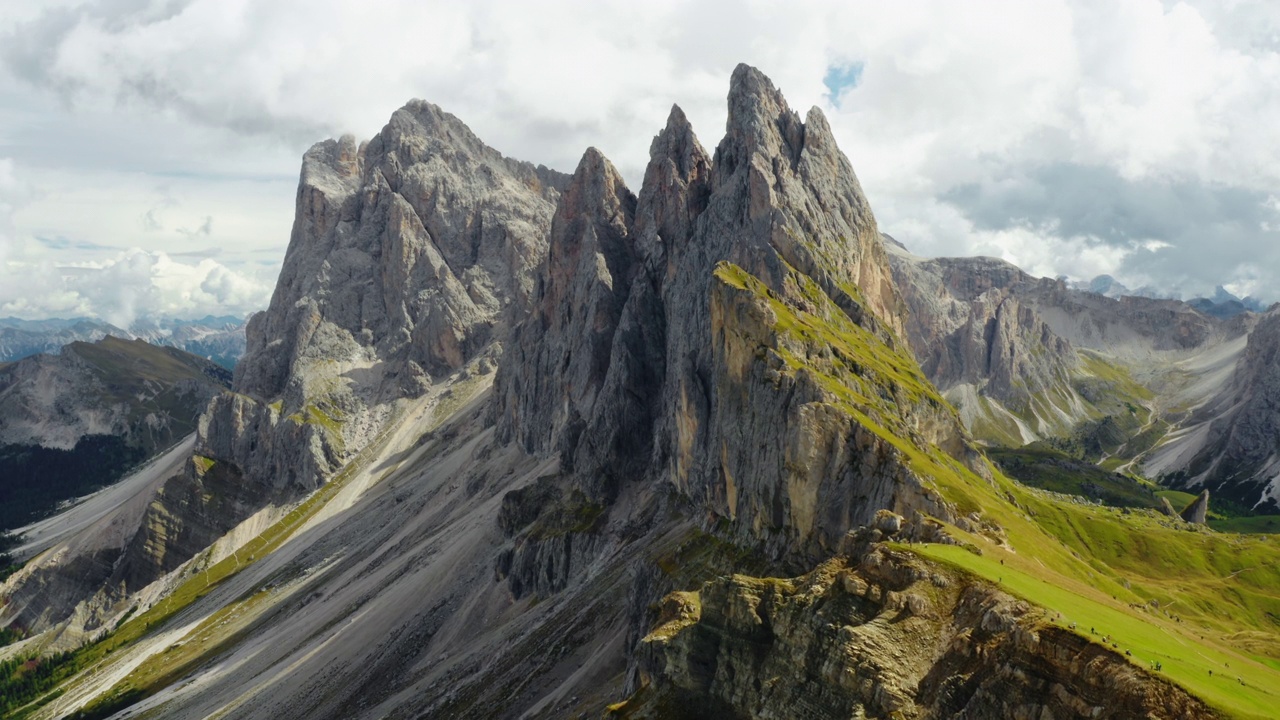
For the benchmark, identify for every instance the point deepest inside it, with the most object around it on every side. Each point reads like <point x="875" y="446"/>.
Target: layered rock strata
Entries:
<point x="883" y="636"/>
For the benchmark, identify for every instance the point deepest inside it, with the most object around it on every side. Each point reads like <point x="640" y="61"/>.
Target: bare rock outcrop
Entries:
<point x="756" y="366"/>
<point x="1235" y="435"/>
<point x="1198" y="510"/>
<point x="981" y="342"/>
<point x="1026" y="358"/>
<point x="559" y="358"/>
<point x="886" y="637"/>
<point x="411" y="256"/>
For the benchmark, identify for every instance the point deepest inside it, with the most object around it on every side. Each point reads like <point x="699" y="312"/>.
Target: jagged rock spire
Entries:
<point x="795" y="199"/>
<point x="559" y="358"/>
<point x="692" y="392"/>
<point x="1198" y="511"/>
<point x="675" y="187"/>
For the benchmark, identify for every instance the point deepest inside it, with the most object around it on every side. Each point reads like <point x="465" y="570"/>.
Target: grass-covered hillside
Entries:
<point x="1197" y="606"/>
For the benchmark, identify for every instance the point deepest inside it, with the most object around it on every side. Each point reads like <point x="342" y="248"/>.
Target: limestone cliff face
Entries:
<point x="1026" y="358"/>
<point x="411" y="255"/>
<point x="968" y="326"/>
<point x="980" y="341"/>
<point x="410" y="250"/>
<point x="558" y="359"/>
<point x="1236" y="434"/>
<point x="755" y="366"/>
<point x="886" y="636"/>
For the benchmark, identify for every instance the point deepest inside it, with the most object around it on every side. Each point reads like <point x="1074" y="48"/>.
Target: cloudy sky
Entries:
<point x="149" y="149"/>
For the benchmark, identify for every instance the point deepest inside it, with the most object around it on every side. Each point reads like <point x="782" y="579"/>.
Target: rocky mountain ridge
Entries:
<point x="220" y="339"/>
<point x="702" y="388"/>
<point x="128" y="389"/>
<point x="1031" y="359"/>
<point x="773" y="237"/>
<point x="410" y="255"/>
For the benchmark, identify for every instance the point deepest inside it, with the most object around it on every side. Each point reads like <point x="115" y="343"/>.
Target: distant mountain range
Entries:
<point x="1221" y="304"/>
<point x="1180" y="391"/>
<point x="216" y="338"/>
<point x="76" y="421"/>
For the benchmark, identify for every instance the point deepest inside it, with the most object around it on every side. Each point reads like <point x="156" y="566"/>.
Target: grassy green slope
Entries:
<point x="1269" y="524"/>
<point x="1210" y="668"/>
<point x="1049" y="469"/>
<point x="1192" y="599"/>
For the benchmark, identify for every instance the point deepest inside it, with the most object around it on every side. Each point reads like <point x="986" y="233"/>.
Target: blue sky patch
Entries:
<point x="840" y="78"/>
<point x="62" y="242"/>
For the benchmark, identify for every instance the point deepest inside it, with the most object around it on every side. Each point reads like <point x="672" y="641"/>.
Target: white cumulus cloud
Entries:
<point x="975" y="127"/>
<point x="131" y="285"/>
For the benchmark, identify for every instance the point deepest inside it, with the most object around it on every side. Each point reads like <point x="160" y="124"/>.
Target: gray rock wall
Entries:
<point x="695" y="394"/>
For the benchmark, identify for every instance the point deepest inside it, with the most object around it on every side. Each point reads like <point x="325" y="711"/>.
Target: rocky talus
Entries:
<point x="1234" y="437"/>
<point x="881" y="636"/>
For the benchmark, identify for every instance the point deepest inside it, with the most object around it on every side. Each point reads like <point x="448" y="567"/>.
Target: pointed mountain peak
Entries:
<point x="755" y="104"/>
<point x="675" y="186"/>
<point x="677" y="123"/>
<point x="760" y="122"/>
<point x="817" y="132"/>
<point x="749" y="86"/>
<point x="426" y="119"/>
<point x="678" y="143"/>
<point x="592" y="164"/>
<point x="595" y="215"/>
<point x="596" y="186"/>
